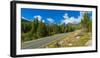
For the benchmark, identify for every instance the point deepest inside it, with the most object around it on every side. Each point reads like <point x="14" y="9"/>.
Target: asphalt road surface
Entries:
<point x="42" y="41"/>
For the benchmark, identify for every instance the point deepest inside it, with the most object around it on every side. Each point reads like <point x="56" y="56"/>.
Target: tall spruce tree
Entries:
<point x="86" y="22"/>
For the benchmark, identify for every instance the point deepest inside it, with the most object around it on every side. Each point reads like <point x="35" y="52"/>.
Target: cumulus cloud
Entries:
<point x="50" y="20"/>
<point x="43" y="21"/>
<point x="65" y="16"/>
<point x="38" y="16"/>
<point x="72" y="19"/>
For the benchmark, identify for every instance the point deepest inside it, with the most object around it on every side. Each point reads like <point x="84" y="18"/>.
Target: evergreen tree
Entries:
<point x="86" y="22"/>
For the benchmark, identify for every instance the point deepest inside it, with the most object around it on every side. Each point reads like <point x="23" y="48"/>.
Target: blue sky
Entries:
<point x="53" y="16"/>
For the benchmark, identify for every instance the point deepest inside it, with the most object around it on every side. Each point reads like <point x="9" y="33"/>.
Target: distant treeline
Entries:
<point x="37" y="29"/>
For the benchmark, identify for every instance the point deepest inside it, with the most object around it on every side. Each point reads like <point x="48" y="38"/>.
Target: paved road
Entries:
<point x="42" y="41"/>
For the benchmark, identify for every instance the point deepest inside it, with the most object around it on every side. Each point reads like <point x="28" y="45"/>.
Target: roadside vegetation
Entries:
<point x="73" y="39"/>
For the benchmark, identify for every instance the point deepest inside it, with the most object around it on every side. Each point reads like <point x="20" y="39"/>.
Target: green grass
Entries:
<point x="71" y="41"/>
<point x="83" y="39"/>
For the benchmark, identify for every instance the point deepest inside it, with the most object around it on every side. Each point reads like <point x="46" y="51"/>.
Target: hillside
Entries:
<point x="23" y="20"/>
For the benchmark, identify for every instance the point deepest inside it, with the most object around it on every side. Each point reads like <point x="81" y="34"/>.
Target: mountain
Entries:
<point x="23" y="20"/>
<point x="73" y="24"/>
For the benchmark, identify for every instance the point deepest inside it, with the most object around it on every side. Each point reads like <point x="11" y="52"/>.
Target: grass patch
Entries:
<point x="73" y="39"/>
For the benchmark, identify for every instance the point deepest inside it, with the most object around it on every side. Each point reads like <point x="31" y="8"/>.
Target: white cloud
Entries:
<point x="72" y="19"/>
<point x="65" y="16"/>
<point x="38" y="16"/>
<point x="43" y="21"/>
<point x="50" y="20"/>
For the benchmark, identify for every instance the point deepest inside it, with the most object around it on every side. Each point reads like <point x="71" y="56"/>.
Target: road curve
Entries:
<point x="42" y="41"/>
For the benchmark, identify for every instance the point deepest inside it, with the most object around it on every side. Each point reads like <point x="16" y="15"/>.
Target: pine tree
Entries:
<point x="86" y="22"/>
